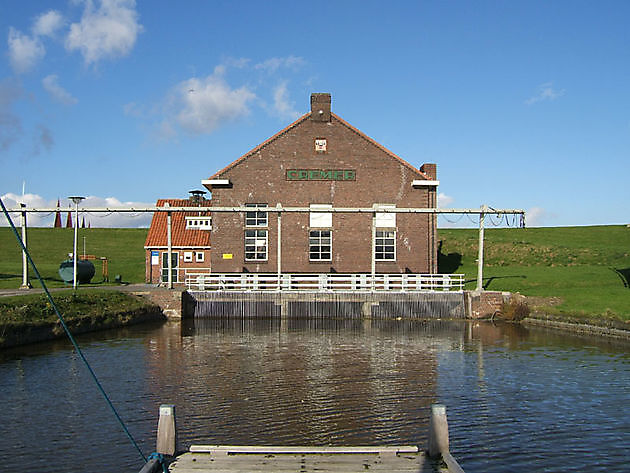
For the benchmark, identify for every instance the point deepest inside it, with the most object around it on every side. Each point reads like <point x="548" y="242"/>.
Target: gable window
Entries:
<point x="320" y="245"/>
<point x="198" y="223"/>
<point x="256" y="218"/>
<point x="385" y="245"/>
<point x="256" y="245"/>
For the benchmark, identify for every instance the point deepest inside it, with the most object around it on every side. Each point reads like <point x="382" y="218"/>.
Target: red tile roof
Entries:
<point x="300" y="120"/>
<point x="180" y="237"/>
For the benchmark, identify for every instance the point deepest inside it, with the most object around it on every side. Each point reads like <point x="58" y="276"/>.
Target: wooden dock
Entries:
<point x="302" y="459"/>
<point x="245" y="459"/>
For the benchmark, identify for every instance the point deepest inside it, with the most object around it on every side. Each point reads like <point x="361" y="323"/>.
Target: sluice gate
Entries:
<point x="338" y="305"/>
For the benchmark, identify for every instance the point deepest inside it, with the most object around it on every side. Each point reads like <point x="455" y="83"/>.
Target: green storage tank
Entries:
<point x="85" y="271"/>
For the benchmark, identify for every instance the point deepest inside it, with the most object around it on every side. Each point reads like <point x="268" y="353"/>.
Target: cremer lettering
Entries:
<point x="321" y="175"/>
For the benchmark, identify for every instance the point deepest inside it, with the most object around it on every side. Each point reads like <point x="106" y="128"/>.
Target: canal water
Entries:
<point x="518" y="399"/>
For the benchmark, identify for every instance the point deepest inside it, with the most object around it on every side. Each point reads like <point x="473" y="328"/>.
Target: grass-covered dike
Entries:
<point x="574" y="274"/>
<point x="31" y="318"/>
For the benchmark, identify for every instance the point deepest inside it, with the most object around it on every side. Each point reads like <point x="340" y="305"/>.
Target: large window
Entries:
<point x="256" y="245"/>
<point x="257" y="218"/>
<point x="174" y="265"/>
<point x="385" y="245"/>
<point x="320" y="245"/>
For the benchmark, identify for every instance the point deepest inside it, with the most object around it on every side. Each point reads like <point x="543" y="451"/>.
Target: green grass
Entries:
<point x="34" y="309"/>
<point x="587" y="268"/>
<point x="124" y="248"/>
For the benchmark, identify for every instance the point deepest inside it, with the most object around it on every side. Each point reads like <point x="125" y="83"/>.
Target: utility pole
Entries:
<point x="482" y="217"/>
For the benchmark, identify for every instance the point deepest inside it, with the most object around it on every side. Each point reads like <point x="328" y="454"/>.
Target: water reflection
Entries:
<point x="515" y="395"/>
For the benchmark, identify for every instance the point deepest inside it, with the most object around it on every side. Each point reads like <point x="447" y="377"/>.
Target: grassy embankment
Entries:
<point x="581" y="272"/>
<point x="124" y="248"/>
<point x="30" y="318"/>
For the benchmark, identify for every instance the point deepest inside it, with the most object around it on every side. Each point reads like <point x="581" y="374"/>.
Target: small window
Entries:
<point x="256" y="245"/>
<point x="256" y="218"/>
<point x="198" y="223"/>
<point x="320" y="145"/>
<point x="188" y="256"/>
<point x="320" y="245"/>
<point x="385" y="245"/>
<point x="199" y="257"/>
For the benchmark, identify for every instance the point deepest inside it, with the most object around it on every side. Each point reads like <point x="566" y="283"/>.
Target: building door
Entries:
<point x="174" y="265"/>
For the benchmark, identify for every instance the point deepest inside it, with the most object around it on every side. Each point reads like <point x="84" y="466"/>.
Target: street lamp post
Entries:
<point x="76" y="200"/>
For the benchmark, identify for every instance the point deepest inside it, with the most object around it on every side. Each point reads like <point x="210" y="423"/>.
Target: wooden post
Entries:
<point x="25" y="282"/>
<point x="167" y="431"/>
<point x="438" y="431"/>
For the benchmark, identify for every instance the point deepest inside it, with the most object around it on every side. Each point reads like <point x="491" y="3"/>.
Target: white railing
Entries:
<point x="325" y="282"/>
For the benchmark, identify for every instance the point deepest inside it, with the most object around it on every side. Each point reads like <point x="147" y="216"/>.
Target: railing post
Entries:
<point x="167" y="431"/>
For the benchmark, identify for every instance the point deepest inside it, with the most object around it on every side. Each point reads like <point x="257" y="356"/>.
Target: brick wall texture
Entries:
<point x="381" y="177"/>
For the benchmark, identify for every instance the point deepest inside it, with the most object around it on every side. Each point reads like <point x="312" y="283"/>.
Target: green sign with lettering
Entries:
<point x="321" y="175"/>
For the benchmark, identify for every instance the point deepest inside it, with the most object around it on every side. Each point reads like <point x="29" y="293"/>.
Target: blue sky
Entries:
<point x="521" y="104"/>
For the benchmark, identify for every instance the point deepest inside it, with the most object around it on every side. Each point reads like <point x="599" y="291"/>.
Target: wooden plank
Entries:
<point x="301" y="449"/>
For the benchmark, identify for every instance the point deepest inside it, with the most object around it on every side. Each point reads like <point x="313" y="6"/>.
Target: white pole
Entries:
<point x="279" y="248"/>
<point x="74" y="252"/>
<point x="373" y="268"/>
<point x="482" y="217"/>
<point x="170" y="248"/>
<point x="25" y="282"/>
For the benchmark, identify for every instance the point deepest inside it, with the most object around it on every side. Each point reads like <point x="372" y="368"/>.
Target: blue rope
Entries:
<point x="65" y="327"/>
<point x="160" y="458"/>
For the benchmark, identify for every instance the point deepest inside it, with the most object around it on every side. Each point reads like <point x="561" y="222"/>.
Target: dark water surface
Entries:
<point x="518" y="399"/>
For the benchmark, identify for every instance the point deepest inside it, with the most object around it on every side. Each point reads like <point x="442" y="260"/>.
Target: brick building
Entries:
<point x="317" y="162"/>
<point x="190" y="240"/>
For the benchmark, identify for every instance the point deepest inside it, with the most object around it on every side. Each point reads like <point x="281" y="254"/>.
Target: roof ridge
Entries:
<point x="380" y="146"/>
<point x="260" y="146"/>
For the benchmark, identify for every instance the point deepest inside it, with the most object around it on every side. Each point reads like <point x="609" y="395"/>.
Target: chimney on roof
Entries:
<point x="196" y="196"/>
<point x="320" y="107"/>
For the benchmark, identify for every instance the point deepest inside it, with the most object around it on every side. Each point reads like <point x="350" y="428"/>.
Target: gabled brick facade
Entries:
<point x="293" y="169"/>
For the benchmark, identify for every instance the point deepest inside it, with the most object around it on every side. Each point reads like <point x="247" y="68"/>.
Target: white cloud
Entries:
<point x="96" y="220"/>
<point x="47" y="23"/>
<point x="535" y="216"/>
<point x="281" y="103"/>
<point x="24" y="51"/>
<point x="444" y="200"/>
<point x="200" y="105"/>
<point x="273" y="64"/>
<point x="58" y="93"/>
<point x="109" y="31"/>
<point x="545" y="92"/>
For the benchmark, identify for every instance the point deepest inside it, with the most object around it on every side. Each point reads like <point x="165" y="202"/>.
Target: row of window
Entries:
<point x="319" y="245"/>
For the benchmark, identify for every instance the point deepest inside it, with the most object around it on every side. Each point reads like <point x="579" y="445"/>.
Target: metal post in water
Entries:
<point x="279" y="248"/>
<point x="25" y="282"/>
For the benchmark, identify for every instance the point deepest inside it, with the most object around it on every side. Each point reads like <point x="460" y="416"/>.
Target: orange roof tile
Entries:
<point x="180" y="237"/>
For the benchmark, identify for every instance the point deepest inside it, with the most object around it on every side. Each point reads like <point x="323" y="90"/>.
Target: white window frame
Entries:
<point x="198" y="223"/>
<point x="384" y="244"/>
<point x="257" y="218"/>
<point x="200" y="257"/>
<point x="188" y="256"/>
<point x="319" y="244"/>
<point x="259" y="239"/>
<point x="174" y="269"/>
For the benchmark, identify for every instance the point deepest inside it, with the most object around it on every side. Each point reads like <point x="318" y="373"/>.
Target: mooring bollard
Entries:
<point x="167" y="431"/>
<point x="438" y="431"/>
